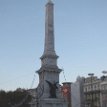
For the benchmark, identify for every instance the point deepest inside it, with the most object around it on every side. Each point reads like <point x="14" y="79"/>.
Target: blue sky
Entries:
<point x="80" y="39"/>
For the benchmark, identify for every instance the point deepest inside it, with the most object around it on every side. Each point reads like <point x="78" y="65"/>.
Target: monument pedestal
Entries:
<point x="52" y="102"/>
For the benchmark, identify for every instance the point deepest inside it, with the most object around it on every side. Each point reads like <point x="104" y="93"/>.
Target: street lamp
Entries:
<point x="91" y="75"/>
<point x="104" y="76"/>
<point x="104" y="72"/>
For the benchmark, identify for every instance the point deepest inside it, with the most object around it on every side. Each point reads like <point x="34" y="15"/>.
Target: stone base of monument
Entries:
<point x="52" y="102"/>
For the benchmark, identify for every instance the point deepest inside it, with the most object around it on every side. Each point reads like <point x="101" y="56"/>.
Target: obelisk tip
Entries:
<point x="49" y="1"/>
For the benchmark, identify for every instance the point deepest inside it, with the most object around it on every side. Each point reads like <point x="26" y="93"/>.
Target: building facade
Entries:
<point x="89" y="92"/>
<point x="95" y="91"/>
<point x="103" y="86"/>
<point x="92" y="91"/>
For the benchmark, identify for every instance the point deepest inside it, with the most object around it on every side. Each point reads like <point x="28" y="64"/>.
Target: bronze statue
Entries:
<point x="53" y="87"/>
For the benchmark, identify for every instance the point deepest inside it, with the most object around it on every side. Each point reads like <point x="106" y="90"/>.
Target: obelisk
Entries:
<point x="49" y="57"/>
<point x="48" y="90"/>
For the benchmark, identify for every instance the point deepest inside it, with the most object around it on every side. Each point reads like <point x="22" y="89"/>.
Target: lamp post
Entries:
<point x="91" y="75"/>
<point x="104" y="72"/>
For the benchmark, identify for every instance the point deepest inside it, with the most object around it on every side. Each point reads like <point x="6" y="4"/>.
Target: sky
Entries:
<point x="80" y="40"/>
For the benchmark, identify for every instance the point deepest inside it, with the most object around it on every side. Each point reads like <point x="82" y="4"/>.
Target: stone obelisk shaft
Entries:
<point x="49" y="30"/>
<point x="49" y="56"/>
